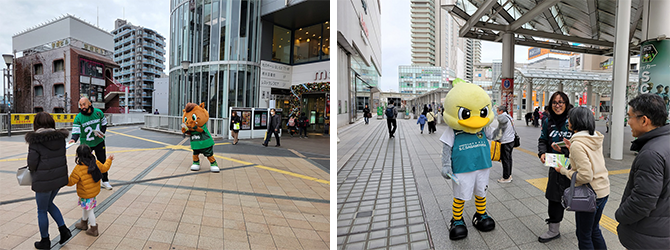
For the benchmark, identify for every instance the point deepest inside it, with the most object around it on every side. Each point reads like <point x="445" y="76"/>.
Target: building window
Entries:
<point x="59" y="89"/>
<point x="37" y="69"/>
<point x="436" y="85"/>
<point x="281" y="45"/>
<point x="58" y="65"/>
<point x="308" y="43"/>
<point x="39" y="91"/>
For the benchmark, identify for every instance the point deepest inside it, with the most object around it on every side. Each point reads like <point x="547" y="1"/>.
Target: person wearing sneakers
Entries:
<point x="91" y="124"/>
<point x="47" y="163"/>
<point x="555" y="129"/>
<point x="506" y="128"/>
<point x="87" y="175"/>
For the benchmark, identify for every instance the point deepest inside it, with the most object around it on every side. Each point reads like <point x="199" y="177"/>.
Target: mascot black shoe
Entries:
<point x="483" y="222"/>
<point x="457" y="229"/>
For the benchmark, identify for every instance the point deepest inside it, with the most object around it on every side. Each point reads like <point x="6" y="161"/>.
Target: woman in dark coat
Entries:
<point x="234" y="118"/>
<point x="48" y="168"/>
<point x="554" y="129"/>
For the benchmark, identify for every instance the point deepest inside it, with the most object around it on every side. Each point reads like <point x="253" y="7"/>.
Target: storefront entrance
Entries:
<point x="314" y="106"/>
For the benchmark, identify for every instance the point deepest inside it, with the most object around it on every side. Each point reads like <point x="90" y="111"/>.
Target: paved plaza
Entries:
<point x="391" y="194"/>
<point x="263" y="198"/>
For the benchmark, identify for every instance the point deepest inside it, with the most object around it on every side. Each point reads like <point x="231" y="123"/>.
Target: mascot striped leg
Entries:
<point x="457" y="230"/>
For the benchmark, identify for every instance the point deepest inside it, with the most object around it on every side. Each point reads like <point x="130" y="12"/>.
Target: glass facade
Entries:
<point x="310" y="44"/>
<point x="220" y="38"/>
<point x="421" y="79"/>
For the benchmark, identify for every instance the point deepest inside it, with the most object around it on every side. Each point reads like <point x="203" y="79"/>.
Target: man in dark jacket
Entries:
<point x="274" y="125"/>
<point x="391" y="113"/>
<point x="644" y="213"/>
<point x="303" y="122"/>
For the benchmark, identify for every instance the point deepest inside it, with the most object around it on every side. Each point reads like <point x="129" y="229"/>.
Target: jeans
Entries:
<point x="421" y="127"/>
<point x="101" y="156"/>
<point x="366" y="119"/>
<point x="588" y="228"/>
<point x="506" y="158"/>
<point x="390" y="122"/>
<point x="45" y="203"/>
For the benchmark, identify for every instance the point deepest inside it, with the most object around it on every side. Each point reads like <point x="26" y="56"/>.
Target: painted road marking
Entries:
<point x="275" y="170"/>
<point x="296" y="153"/>
<point x="139" y="138"/>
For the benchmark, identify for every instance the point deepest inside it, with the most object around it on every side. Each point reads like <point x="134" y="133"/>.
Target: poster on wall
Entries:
<point x="654" y="74"/>
<point x="507" y="98"/>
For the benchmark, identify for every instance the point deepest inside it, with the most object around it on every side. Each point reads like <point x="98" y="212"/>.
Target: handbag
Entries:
<point x="24" y="177"/>
<point x="579" y="199"/>
<point x="495" y="150"/>
<point x="517" y="140"/>
<point x="236" y="126"/>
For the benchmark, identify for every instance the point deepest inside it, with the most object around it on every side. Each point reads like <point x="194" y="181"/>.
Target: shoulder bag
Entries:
<point x="24" y="177"/>
<point x="579" y="199"/>
<point x="517" y="140"/>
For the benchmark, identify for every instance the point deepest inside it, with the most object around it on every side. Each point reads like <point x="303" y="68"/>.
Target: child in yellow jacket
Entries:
<point x="87" y="175"/>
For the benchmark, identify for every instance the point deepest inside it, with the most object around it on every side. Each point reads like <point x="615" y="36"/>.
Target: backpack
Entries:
<point x="389" y="113"/>
<point x="291" y="122"/>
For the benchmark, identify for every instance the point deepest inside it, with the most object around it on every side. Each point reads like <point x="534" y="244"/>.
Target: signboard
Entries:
<point x="654" y="72"/>
<point x="275" y="75"/>
<point x="245" y="117"/>
<point x="507" y="98"/>
<point x="18" y="119"/>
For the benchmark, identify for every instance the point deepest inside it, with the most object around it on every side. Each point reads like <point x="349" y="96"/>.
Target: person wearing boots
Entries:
<point x="366" y="114"/>
<point x="555" y="129"/>
<point x="87" y="175"/>
<point x="48" y="167"/>
<point x="235" y="123"/>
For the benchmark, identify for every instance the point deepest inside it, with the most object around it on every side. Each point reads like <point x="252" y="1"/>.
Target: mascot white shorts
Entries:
<point x="476" y="182"/>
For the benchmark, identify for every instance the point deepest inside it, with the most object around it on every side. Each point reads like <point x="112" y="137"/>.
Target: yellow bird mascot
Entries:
<point x="195" y="126"/>
<point x="466" y="156"/>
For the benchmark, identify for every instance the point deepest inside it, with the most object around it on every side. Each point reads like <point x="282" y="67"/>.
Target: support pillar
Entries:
<point x="529" y="96"/>
<point x="589" y="96"/>
<point x="620" y="78"/>
<point x="546" y="98"/>
<point x="596" y="104"/>
<point x="520" y="112"/>
<point x="507" y="94"/>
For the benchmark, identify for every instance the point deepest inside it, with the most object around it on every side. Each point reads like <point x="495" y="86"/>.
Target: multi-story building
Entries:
<point x="140" y="52"/>
<point x="359" y="57"/>
<point x="482" y="75"/>
<point x="61" y="61"/>
<point x="418" y="80"/>
<point x="425" y="25"/>
<point x="251" y="53"/>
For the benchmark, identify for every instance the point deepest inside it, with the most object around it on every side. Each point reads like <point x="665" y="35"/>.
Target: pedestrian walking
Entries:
<point x="555" y="130"/>
<point x="644" y="212"/>
<point x="303" y="122"/>
<point x="391" y="115"/>
<point x="235" y="123"/>
<point x="414" y="110"/>
<point x="91" y="123"/>
<point x="587" y="160"/>
<point x="506" y="130"/>
<point x="421" y="121"/>
<point x="48" y="168"/>
<point x="86" y="175"/>
<point x="274" y="125"/>
<point x="536" y="117"/>
<point x="430" y="116"/>
<point x="291" y="125"/>
<point x="366" y="114"/>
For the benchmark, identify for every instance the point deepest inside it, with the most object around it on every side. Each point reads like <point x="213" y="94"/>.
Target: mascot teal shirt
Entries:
<point x="471" y="152"/>
<point x="200" y="140"/>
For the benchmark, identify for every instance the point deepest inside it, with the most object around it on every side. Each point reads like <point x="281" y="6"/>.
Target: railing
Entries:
<point x="217" y="126"/>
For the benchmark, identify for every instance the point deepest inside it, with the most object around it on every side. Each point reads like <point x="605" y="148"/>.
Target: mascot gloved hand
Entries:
<point x="195" y="126"/>
<point x="466" y="155"/>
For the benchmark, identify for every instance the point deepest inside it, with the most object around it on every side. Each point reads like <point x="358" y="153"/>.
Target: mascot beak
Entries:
<point x="474" y="122"/>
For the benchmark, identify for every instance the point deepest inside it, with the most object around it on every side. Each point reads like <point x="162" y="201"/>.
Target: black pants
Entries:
<point x="431" y="127"/>
<point x="269" y="135"/>
<point x="556" y="211"/>
<point x="302" y="130"/>
<point x="101" y="155"/>
<point x="391" y="122"/>
<point x="506" y="158"/>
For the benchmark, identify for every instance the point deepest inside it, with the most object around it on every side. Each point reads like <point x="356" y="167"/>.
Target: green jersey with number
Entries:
<point x="84" y="125"/>
<point x="200" y="140"/>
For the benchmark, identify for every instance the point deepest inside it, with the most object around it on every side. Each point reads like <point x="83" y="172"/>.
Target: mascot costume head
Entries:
<point x="466" y="156"/>
<point x="195" y="126"/>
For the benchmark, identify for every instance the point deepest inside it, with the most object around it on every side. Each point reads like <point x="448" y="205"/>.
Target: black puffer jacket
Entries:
<point x="644" y="213"/>
<point x="46" y="159"/>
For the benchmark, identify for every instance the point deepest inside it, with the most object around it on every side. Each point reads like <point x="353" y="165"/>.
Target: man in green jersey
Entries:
<point x="91" y="124"/>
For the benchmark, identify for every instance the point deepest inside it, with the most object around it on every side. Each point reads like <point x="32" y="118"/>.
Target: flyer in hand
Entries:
<point x="68" y="145"/>
<point x="552" y="160"/>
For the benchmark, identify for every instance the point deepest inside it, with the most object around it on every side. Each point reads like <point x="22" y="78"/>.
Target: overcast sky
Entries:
<point x="397" y="46"/>
<point x="21" y="15"/>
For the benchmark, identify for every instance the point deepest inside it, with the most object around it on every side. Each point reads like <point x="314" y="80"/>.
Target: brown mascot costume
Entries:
<point x="195" y="126"/>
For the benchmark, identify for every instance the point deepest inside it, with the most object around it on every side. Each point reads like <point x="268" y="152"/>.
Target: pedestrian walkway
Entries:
<point x="263" y="198"/>
<point x="391" y="194"/>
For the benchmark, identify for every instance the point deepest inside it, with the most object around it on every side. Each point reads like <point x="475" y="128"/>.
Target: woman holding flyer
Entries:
<point x="588" y="161"/>
<point x="555" y="129"/>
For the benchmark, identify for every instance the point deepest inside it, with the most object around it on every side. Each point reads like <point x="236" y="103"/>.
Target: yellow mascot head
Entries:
<point x="467" y="107"/>
<point x="195" y="116"/>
